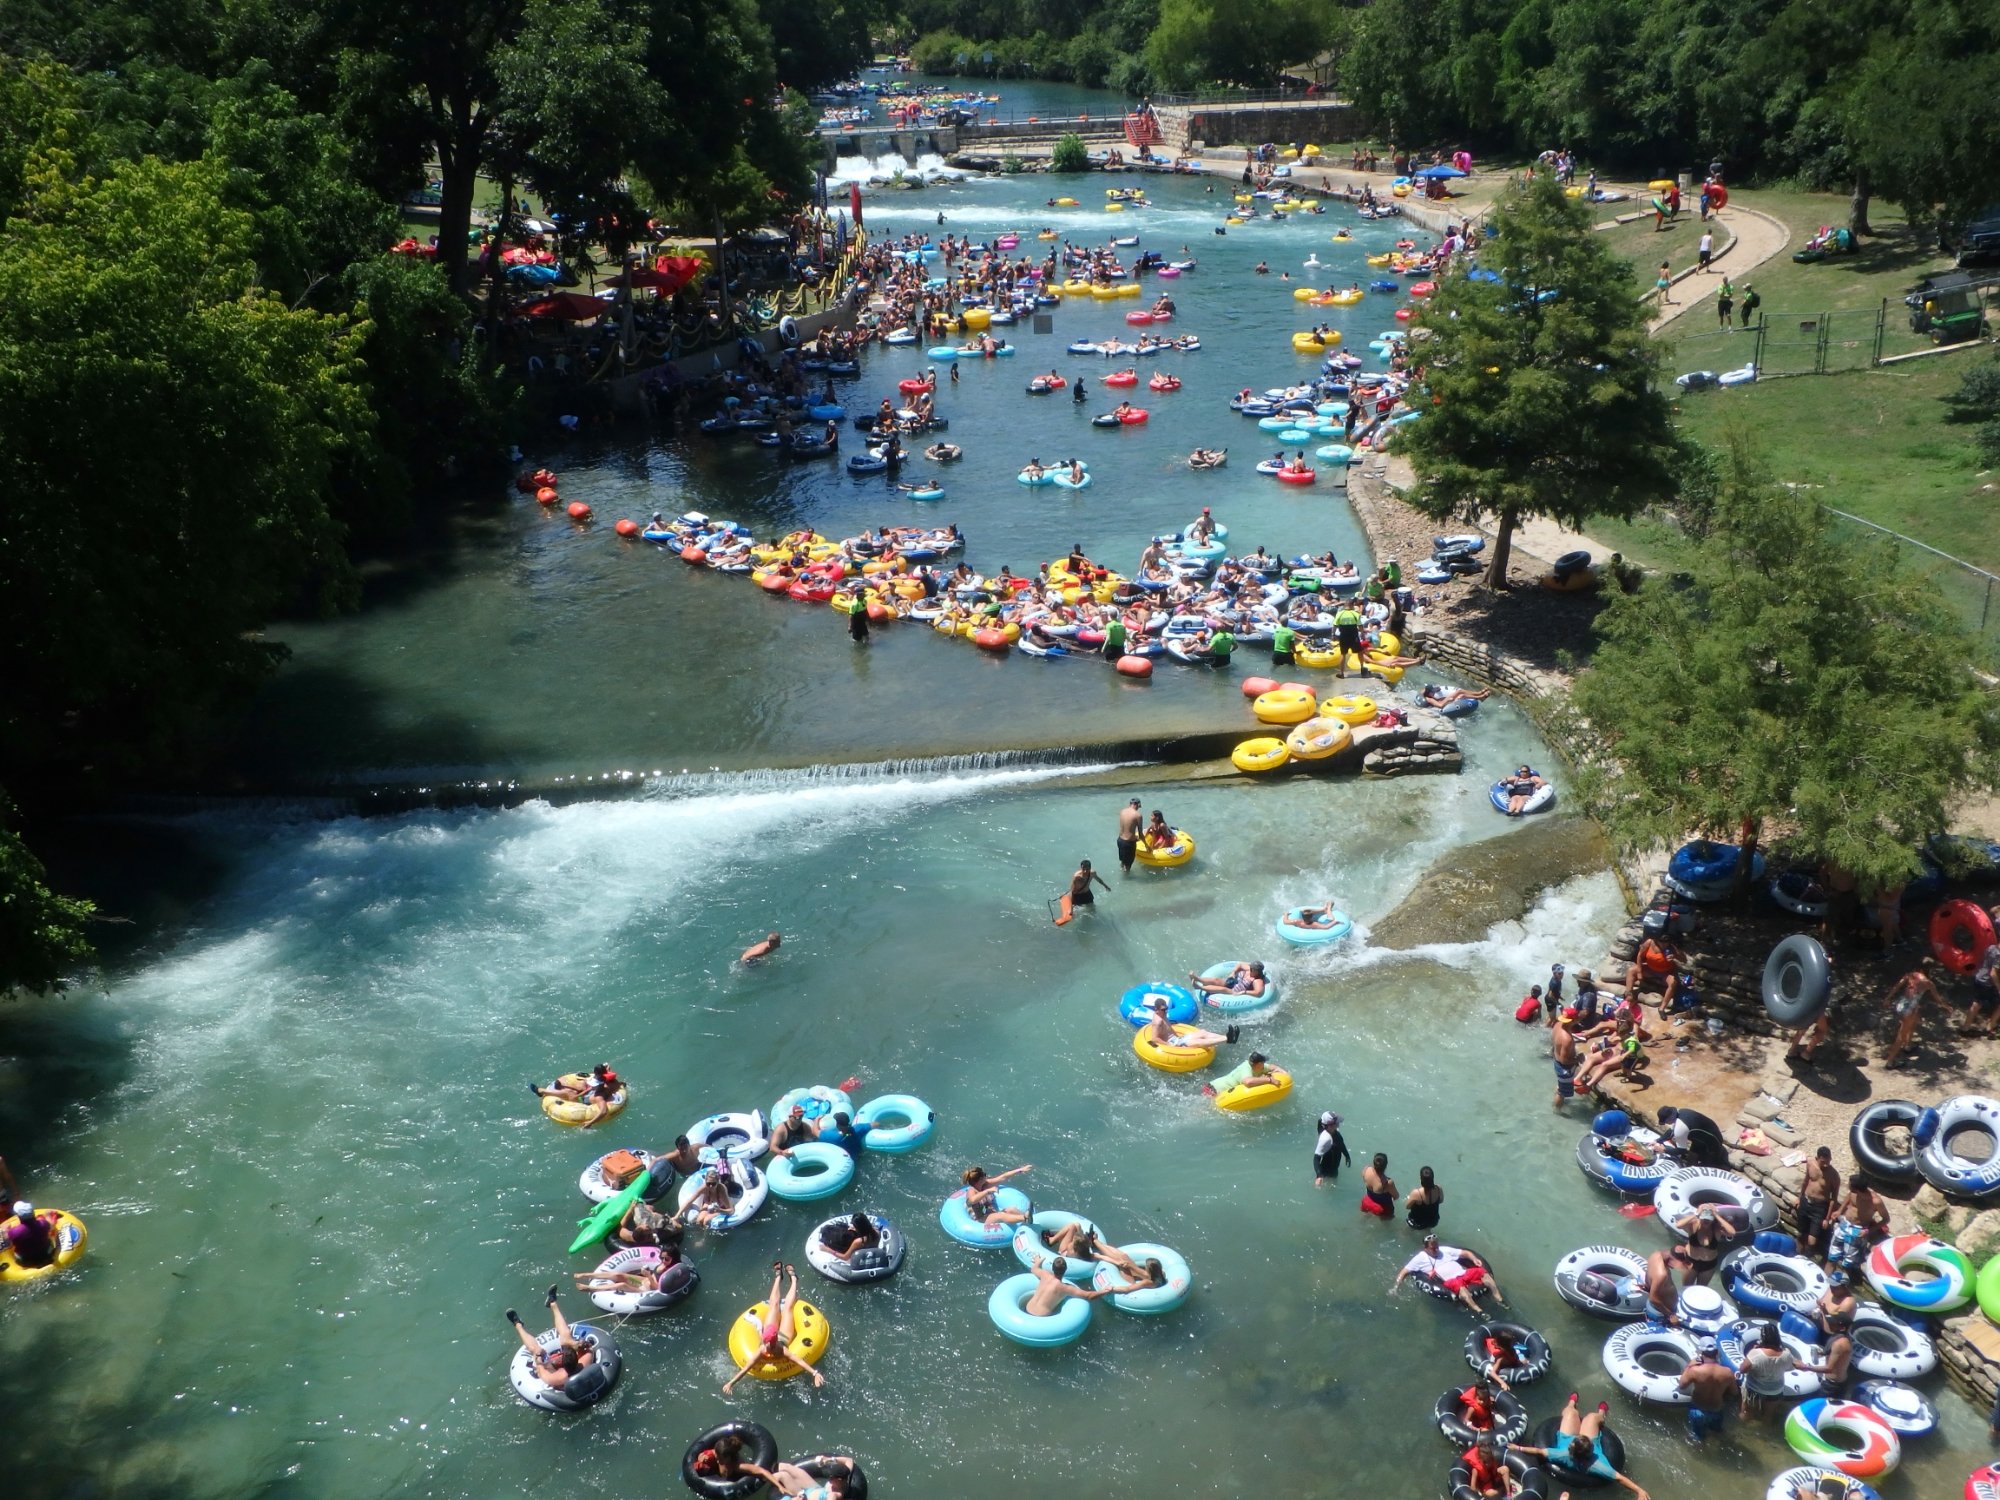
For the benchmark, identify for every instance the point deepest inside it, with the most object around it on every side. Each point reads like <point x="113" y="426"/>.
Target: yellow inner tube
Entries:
<point x="1573" y="583"/>
<point x="70" y="1238"/>
<point x="977" y="318"/>
<point x="1171" y="1059"/>
<point x="1104" y="293"/>
<point x="1114" y="208"/>
<point x="1076" y="288"/>
<point x="1179" y="852"/>
<point x="1380" y="260"/>
<point x="1304" y="293"/>
<point x="1065" y="203"/>
<point x="1366" y="663"/>
<point x="1126" y="289"/>
<point x="1388" y="643"/>
<point x="811" y="1334"/>
<point x="1344" y="299"/>
<point x="1261" y="754"/>
<point x="575" y="1112"/>
<point x="1244" y="1097"/>
<point x="1308" y="656"/>
<point x="1349" y="710"/>
<point x="1316" y="739"/>
<point x="1285" y="706"/>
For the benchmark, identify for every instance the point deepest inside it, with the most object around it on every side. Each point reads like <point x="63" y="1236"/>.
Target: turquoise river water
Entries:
<point x="294" y="1117"/>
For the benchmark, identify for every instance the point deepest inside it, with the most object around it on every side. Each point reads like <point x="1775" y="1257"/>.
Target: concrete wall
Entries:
<point x="1253" y="124"/>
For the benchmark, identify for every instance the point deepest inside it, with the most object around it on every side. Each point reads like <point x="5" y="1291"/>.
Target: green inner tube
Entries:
<point x="1986" y="1287"/>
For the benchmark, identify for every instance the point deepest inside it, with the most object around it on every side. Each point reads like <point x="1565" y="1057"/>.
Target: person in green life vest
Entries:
<point x="1283" y="638"/>
<point x="1114" y="639"/>
<point x="1392" y="573"/>
<point x="1219" y="646"/>
<point x="1373" y="588"/>
<point x="1347" y="621"/>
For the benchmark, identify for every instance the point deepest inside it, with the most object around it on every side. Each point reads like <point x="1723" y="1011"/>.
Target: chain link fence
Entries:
<point x="1973" y="594"/>
<point x="1779" y="343"/>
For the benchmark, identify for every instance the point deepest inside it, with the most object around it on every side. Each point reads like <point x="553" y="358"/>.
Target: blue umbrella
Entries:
<point x="1438" y="171"/>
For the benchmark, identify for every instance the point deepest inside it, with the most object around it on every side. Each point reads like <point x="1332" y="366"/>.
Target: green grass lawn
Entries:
<point x="1644" y="247"/>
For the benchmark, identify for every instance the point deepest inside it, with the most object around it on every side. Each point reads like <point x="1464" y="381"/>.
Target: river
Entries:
<point x="295" y="1115"/>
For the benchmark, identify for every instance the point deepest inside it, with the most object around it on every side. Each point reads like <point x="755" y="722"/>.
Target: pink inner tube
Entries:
<point x="1168" y="273"/>
<point x="1138" y="317"/>
<point x="1163" y="317"/>
<point x="1402" y="315"/>
<point x="1121" y="378"/>
<point x="1423" y="288"/>
<point x="1088" y="636"/>
<point x="1298" y="476"/>
<point x="1135" y="416"/>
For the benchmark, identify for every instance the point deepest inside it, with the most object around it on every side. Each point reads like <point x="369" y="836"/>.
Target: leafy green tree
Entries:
<point x="1792" y="675"/>
<point x="173" y="434"/>
<point x="1539" y="391"/>
<point x="1069" y="154"/>
<point x="1977" y="399"/>
<point x="1200" y="41"/>
<point x="41" y="934"/>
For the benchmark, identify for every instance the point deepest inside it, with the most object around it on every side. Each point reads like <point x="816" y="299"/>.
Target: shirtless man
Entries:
<point x="1202" y="527"/>
<point x="1130" y="820"/>
<point x="1562" y="1047"/>
<point x="1051" y="1291"/>
<point x="761" y="950"/>
<point x="1661" y="1294"/>
<point x="1709" y="1384"/>
<point x="1817" y="1195"/>
<point x="1244" y="979"/>
<point x="1161" y="1031"/>
<point x="1079" y="886"/>
<point x="1857" y="1223"/>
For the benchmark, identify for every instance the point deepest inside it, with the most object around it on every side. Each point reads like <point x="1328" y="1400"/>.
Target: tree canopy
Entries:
<point x="1791" y="677"/>
<point x="1538" y="389"/>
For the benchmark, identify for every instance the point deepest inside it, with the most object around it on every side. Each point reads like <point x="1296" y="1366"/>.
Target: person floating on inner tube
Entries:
<point x="1244" y="979"/>
<point x="1486" y="1473"/>
<point x="32" y="1237"/>
<point x="1161" y="1031"/>
<point x="775" y="1334"/>
<point x="982" y="1196"/>
<point x="598" y="1091"/>
<point x="1436" y="695"/>
<point x="1519" y="787"/>
<point x="554" y="1367"/>
<point x="646" y="1278"/>
<point x="849" y="1238"/>
<point x="1457" y="1271"/>
<point x="790" y="1479"/>
<point x="1580" y="1450"/>
<point x="1255" y="1073"/>
<point x="1313" y="918"/>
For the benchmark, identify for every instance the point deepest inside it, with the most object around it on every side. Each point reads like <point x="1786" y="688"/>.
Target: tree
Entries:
<point x="41" y="933"/>
<point x="1538" y="391"/>
<point x="1069" y="154"/>
<point x="1792" y="675"/>
<point x="173" y="434"/>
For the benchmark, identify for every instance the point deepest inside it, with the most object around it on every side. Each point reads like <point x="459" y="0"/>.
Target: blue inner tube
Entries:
<point x="1063" y="1326"/>
<point x="1135" y="1006"/>
<point x="961" y="1226"/>
<point x="1797" y="982"/>
<point x="1313" y="937"/>
<point x="896" y="1123"/>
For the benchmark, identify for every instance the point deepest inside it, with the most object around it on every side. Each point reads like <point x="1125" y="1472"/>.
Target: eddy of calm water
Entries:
<point x="298" y="1127"/>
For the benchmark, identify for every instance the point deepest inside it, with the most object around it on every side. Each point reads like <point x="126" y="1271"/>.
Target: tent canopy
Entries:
<point x="1439" y="171"/>
<point x="565" y="307"/>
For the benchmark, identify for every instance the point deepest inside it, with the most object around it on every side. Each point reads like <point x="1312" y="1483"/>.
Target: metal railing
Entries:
<point x="1224" y="95"/>
<point x="1825" y="343"/>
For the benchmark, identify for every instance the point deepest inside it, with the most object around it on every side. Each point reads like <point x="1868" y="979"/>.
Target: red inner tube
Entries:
<point x="1960" y="932"/>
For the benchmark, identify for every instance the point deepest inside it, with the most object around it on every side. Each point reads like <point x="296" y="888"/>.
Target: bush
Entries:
<point x="1011" y="165"/>
<point x="1977" y="399"/>
<point x="1070" y="155"/>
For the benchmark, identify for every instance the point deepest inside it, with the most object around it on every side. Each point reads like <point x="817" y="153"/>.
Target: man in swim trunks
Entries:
<point x="1079" y="885"/>
<point x="1562" y="1048"/>
<point x="1904" y="1000"/>
<point x="1709" y="1384"/>
<point x="685" y="1158"/>
<point x="1661" y="1294"/>
<point x="1579" y="1450"/>
<point x="1161" y="1031"/>
<point x="982" y="1196"/>
<point x="1459" y="1272"/>
<point x="1818" y="1192"/>
<point x="554" y="1367"/>
<point x="1244" y="979"/>
<point x="776" y="1333"/>
<point x="761" y="950"/>
<point x="1256" y="1073"/>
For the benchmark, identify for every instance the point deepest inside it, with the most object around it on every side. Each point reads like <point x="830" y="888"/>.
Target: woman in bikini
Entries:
<point x="1378" y="1188"/>
<point x="776" y="1333"/>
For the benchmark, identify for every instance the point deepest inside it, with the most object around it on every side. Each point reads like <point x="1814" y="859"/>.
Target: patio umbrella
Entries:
<point x="1438" y="171"/>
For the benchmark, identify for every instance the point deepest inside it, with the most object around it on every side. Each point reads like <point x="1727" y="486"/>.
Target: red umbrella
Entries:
<point x="854" y="202"/>
<point x="566" y="307"/>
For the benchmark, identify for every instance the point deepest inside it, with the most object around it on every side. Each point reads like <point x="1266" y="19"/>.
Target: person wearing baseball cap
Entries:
<point x="1709" y="1385"/>
<point x="31" y="1238"/>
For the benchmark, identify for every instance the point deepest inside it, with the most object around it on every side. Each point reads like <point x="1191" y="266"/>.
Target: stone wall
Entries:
<point x="1253" y="124"/>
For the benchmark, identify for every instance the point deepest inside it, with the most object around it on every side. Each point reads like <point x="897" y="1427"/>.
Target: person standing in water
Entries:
<point x="1425" y="1201"/>
<point x="1079" y="885"/>
<point x="1378" y="1188"/>
<point x="1329" y="1150"/>
<point x="1130" y="821"/>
